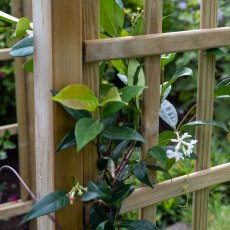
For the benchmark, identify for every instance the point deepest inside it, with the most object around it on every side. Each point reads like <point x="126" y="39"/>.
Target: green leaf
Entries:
<point x="120" y="65"/>
<point x="141" y="173"/>
<point x="222" y="92"/>
<point x="102" y="226"/>
<point x="123" y="78"/>
<point x="169" y="114"/>
<point x="165" y="137"/>
<point x="166" y="59"/>
<point x="158" y="168"/>
<point x="8" y="145"/>
<point x="77" y="97"/>
<point x="129" y="92"/>
<point x="135" y="71"/>
<point x="217" y="51"/>
<point x="8" y="18"/>
<point x="68" y="141"/>
<point x="224" y="82"/>
<point x="137" y="225"/>
<point x="170" y="163"/>
<point x="120" y="3"/>
<point x="158" y="154"/>
<point x="139" y="28"/>
<point x="28" y="66"/>
<point x="166" y="92"/>
<point x="181" y="72"/>
<point x="112" y="17"/>
<point x="48" y="204"/>
<point x="122" y="133"/>
<point x="22" y="26"/>
<point x="196" y="123"/>
<point x="23" y="48"/>
<point x="117" y="152"/>
<point x="112" y="96"/>
<point x="86" y="130"/>
<point x="111" y="108"/>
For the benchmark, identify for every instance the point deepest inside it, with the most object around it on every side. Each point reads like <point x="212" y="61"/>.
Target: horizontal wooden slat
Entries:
<point x="5" y="54"/>
<point x="13" y="128"/>
<point x="148" y="45"/>
<point x="143" y="197"/>
<point x="11" y="209"/>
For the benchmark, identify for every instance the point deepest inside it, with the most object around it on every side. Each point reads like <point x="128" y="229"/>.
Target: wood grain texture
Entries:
<point x="5" y="54"/>
<point x="169" y="189"/>
<point x="91" y="79"/>
<point x="206" y="80"/>
<point x="151" y="97"/>
<point x="11" y="209"/>
<point x="58" y="63"/>
<point x="148" y="45"/>
<point x="21" y="108"/>
<point x="13" y="129"/>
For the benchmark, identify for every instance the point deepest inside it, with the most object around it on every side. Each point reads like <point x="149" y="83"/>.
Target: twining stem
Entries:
<point x="185" y="117"/>
<point x="59" y="227"/>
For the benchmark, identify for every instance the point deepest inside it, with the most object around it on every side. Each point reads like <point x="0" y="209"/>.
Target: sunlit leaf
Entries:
<point x="8" y="18"/>
<point x="77" y="97"/>
<point x="28" y="66"/>
<point x="112" y="96"/>
<point x="22" y="26"/>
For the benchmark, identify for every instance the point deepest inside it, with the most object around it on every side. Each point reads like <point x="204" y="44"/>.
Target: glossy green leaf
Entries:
<point x="135" y="70"/>
<point x="224" y="82"/>
<point x="166" y="59"/>
<point x="120" y="3"/>
<point x="22" y="26"/>
<point x="122" y="133"/>
<point x="139" y="29"/>
<point x="111" y="17"/>
<point x="77" y="97"/>
<point x="158" y="168"/>
<point x="141" y="173"/>
<point x="112" y="96"/>
<point x="8" y="18"/>
<point x="222" y="92"/>
<point x="129" y="92"/>
<point x="158" y="154"/>
<point x="169" y="163"/>
<point x="123" y="78"/>
<point x="68" y="141"/>
<point x="28" y="66"/>
<point x="86" y="130"/>
<point x="165" y="138"/>
<point x="102" y="226"/>
<point x="23" y="48"/>
<point x="111" y="108"/>
<point x="137" y="225"/>
<point x="217" y="51"/>
<point x="120" y="65"/>
<point x="169" y="114"/>
<point x="48" y="204"/>
<point x="166" y="92"/>
<point x="196" y="123"/>
<point x="181" y="72"/>
<point x="118" y="150"/>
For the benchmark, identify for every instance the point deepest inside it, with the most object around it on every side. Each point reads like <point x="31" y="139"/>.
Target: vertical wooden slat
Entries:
<point x="151" y="101"/>
<point x="22" y="116"/>
<point x="58" y="62"/>
<point x="206" y="77"/>
<point x="91" y="79"/>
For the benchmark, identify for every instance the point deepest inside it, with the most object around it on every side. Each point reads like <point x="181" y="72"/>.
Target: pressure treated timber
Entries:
<point x="13" y="129"/>
<point x="147" y="45"/>
<point x="22" y="115"/>
<point x="5" y="54"/>
<point x="58" y="63"/>
<point x="92" y="80"/>
<point x="205" y="88"/>
<point x="11" y="209"/>
<point x="169" y="189"/>
<point x="151" y="97"/>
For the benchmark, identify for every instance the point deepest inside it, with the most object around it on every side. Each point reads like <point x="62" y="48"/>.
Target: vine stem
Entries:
<point x="30" y="193"/>
<point x="178" y="127"/>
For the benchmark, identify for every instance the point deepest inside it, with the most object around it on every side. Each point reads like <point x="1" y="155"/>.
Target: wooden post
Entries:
<point x="91" y="79"/>
<point x="206" y="74"/>
<point x="151" y="102"/>
<point x="22" y="116"/>
<point x="58" y="62"/>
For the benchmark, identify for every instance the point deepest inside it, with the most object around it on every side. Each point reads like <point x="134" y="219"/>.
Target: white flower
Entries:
<point x="186" y="147"/>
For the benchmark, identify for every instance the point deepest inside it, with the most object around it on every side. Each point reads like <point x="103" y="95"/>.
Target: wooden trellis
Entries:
<point x="68" y="51"/>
